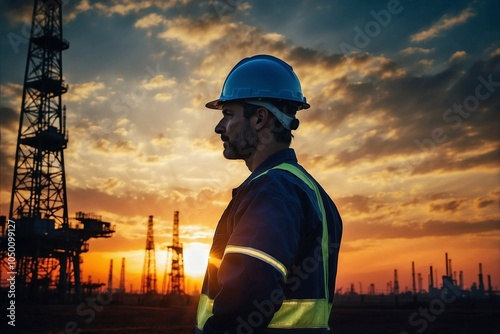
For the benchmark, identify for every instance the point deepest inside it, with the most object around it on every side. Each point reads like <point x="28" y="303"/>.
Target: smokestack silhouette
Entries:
<point x="414" y="287"/>
<point x="110" y="276"/>
<point x="481" y="282"/>
<point x="450" y="271"/>
<point x="419" y="276"/>
<point x="446" y="259"/>
<point x="396" y="282"/>
<point x="431" y="280"/>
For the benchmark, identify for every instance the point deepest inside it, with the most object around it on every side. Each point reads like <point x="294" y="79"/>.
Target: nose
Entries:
<point x="219" y="128"/>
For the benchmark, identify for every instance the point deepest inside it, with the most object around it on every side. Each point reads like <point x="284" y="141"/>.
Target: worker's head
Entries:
<point x="265" y="92"/>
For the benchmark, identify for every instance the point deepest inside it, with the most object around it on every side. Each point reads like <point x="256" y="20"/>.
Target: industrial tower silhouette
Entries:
<point x="148" y="281"/>
<point x="48" y="246"/>
<point x="110" y="276"/>
<point x="121" y="288"/>
<point x="175" y="251"/>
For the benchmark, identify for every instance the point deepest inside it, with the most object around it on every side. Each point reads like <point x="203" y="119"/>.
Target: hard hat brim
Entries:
<point x="217" y="104"/>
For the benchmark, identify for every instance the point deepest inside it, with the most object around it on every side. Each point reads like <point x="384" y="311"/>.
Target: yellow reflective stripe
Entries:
<point x="311" y="184"/>
<point x="258" y="254"/>
<point x="294" y="313"/>
<point x="205" y="310"/>
<point x="302" y="313"/>
<point x="324" y="238"/>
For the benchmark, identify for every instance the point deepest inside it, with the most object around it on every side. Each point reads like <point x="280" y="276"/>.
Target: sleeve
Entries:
<point x="256" y="261"/>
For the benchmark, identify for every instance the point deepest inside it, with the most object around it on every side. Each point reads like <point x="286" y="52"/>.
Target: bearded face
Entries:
<point x="241" y="145"/>
<point x="240" y="140"/>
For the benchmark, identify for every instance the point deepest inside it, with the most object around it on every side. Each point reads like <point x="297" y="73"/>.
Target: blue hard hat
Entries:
<point x="261" y="76"/>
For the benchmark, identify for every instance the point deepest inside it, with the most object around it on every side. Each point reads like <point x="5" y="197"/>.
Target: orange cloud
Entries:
<point x="445" y="23"/>
<point x="83" y="91"/>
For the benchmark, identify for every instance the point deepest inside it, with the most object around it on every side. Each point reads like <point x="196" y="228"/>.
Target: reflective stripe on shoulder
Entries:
<point x="258" y="254"/>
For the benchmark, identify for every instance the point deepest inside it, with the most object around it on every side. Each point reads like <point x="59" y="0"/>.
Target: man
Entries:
<point x="274" y="255"/>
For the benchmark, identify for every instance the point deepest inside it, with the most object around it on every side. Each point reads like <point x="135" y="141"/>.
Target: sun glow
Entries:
<point x="195" y="258"/>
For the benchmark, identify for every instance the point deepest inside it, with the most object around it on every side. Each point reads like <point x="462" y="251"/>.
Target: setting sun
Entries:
<point x="195" y="259"/>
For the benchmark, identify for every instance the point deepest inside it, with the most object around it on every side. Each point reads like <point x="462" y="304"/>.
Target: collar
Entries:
<point x="286" y="155"/>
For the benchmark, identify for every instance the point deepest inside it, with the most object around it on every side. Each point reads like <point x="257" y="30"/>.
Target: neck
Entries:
<point x="263" y="152"/>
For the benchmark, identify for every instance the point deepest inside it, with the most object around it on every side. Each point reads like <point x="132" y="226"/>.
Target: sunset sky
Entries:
<point x="403" y="130"/>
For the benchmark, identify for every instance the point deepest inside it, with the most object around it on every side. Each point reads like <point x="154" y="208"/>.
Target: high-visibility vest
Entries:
<point x="293" y="313"/>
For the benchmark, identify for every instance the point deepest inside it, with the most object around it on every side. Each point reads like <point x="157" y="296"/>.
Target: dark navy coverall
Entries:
<point x="273" y="260"/>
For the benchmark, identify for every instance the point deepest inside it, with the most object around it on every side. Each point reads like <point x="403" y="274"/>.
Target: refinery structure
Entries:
<point x="450" y="286"/>
<point x="173" y="278"/>
<point x="48" y="243"/>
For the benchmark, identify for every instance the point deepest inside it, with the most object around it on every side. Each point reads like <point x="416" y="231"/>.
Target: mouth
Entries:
<point x="224" y="138"/>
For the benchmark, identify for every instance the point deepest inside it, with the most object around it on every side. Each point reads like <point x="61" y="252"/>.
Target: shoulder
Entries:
<point x="280" y="183"/>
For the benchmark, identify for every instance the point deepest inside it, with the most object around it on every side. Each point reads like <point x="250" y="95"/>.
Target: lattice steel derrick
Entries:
<point x="39" y="185"/>
<point x="176" y="276"/>
<point x="148" y="281"/>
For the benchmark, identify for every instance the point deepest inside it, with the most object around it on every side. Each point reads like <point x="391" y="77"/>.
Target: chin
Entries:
<point x="230" y="155"/>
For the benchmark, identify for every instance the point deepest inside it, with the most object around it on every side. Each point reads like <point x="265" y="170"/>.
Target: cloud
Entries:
<point x="458" y="56"/>
<point x="450" y="206"/>
<point x="454" y="162"/>
<point x="483" y="203"/>
<point x="356" y="203"/>
<point x="125" y="7"/>
<point x="365" y="230"/>
<point x="9" y="118"/>
<point x="400" y="121"/>
<point x="149" y="21"/>
<point x="119" y="146"/>
<point x="162" y="141"/>
<point x="415" y="50"/>
<point x="17" y="12"/>
<point x="81" y="7"/>
<point x="446" y="22"/>
<point x="426" y="63"/>
<point x="275" y="37"/>
<point x="381" y="110"/>
<point x="158" y="81"/>
<point x="195" y="34"/>
<point x="83" y="91"/>
<point x="115" y="199"/>
<point x="163" y="97"/>
<point x="11" y="95"/>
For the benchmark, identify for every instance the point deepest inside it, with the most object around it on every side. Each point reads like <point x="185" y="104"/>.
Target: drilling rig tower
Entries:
<point x="121" y="289"/>
<point x="48" y="246"/>
<point x="175" y="253"/>
<point x="148" y="282"/>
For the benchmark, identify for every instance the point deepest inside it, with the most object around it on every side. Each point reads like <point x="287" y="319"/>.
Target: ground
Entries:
<point x="178" y="318"/>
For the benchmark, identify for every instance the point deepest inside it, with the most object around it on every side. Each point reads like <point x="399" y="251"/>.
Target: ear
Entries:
<point x="263" y="117"/>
